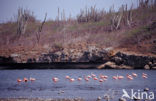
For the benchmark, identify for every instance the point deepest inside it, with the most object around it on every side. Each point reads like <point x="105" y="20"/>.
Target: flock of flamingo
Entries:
<point x="101" y="78"/>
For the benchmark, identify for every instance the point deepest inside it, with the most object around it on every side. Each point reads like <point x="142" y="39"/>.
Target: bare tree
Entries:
<point x="38" y="34"/>
<point x="116" y="18"/>
<point x="129" y="15"/>
<point x="23" y="16"/>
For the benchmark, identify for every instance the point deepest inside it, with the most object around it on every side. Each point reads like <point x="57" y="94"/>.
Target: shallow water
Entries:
<point x="43" y="87"/>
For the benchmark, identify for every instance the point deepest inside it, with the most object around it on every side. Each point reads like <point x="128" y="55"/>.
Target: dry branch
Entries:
<point x="38" y="34"/>
<point x="23" y="16"/>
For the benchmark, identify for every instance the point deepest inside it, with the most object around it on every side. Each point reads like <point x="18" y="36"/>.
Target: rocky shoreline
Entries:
<point x="105" y="58"/>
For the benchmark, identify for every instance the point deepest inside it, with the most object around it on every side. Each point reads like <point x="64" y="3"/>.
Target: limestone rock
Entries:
<point x="122" y="99"/>
<point x="108" y="65"/>
<point x="146" y="67"/>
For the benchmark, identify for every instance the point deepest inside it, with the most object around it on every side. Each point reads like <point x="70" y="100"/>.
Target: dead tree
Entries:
<point x="129" y="16"/>
<point x="116" y="19"/>
<point x="58" y="16"/>
<point x="23" y="16"/>
<point x="38" y="34"/>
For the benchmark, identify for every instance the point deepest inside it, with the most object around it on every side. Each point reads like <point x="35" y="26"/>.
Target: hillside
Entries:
<point x="130" y="31"/>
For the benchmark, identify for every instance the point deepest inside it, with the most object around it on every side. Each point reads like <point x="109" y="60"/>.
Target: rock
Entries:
<point x="136" y="99"/>
<point x="47" y="58"/>
<point x="91" y="54"/>
<point x="146" y="67"/>
<point x="107" y="97"/>
<point x="109" y="49"/>
<point x="138" y="62"/>
<point x="7" y="60"/>
<point x="58" y="53"/>
<point x="85" y="57"/>
<point x="150" y="63"/>
<point x="60" y="92"/>
<point x="146" y="89"/>
<point x="117" y="60"/>
<point x="31" y="60"/>
<point x="122" y="99"/>
<point x="99" y="98"/>
<point x="94" y="56"/>
<point x="125" y="67"/>
<point x="108" y="65"/>
<point x="15" y="55"/>
<point x="91" y="48"/>
<point x="101" y="66"/>
<point x="153" y="67"/>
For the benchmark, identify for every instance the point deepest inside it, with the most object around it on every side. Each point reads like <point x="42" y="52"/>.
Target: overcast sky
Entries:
<point x="8" y="8"/>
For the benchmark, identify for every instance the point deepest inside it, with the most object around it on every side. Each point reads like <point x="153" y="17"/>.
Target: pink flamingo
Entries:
<point x="25" y="79"/>
<point x="67" y="77"/>
<point x="144" y="76"/>
<point x="129" y="77"/>
<point x="79" y="79"/>
<point x="89" y="76"/>
<point x="101" y="76"/>
<point x="120" y="77"/>
<point x="86" y="79"/>
<point x="115" y="77"/>
<point x="134" y="74"/>
<point x="101" y="80"/>
<point x="104" y="79"/>
<point x="71" y="79"/>
<point x="93" y="75"/>
<point x="105" y="76"/>
<point x="19" y="80"/>
<point x="95" y="78"/>
<point x="55" y="79"/>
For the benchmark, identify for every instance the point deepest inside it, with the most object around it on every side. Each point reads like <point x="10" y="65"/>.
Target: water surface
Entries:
<point x="43" y="87"/>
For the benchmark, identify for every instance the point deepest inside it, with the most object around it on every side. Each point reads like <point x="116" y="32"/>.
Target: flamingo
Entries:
<point x="19" y="80"/>
<point x="86" y="79"/>
<point x="101" y="76"/>
<point x="115" y="77"/>
<point x="55" y="79"/>
<point x="134" y="74"/>
<point x="129" y="77"/>
<point x="93" y="75"/>
<point x="32" y="79"/>
<point x="89" y="76"/>
<point x="105" y="76"/>
<point x="25" y="79"/>
<point x="100" y="80"/>
<point x="120" y="77"/>
<point x="144" y="76"/>
<point x="104" y="79"/>
<point x="79" y="79"/>
<point x="71" y="79"/>
<point x="95" y="78"/>
<point x="67" y="77"/>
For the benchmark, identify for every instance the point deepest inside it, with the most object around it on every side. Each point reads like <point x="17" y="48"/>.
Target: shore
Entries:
<point x="90" y="59"/>
<point x="39" y="99"/>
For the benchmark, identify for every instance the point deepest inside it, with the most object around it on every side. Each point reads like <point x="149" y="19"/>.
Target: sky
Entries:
<point x="8" y="8"/>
